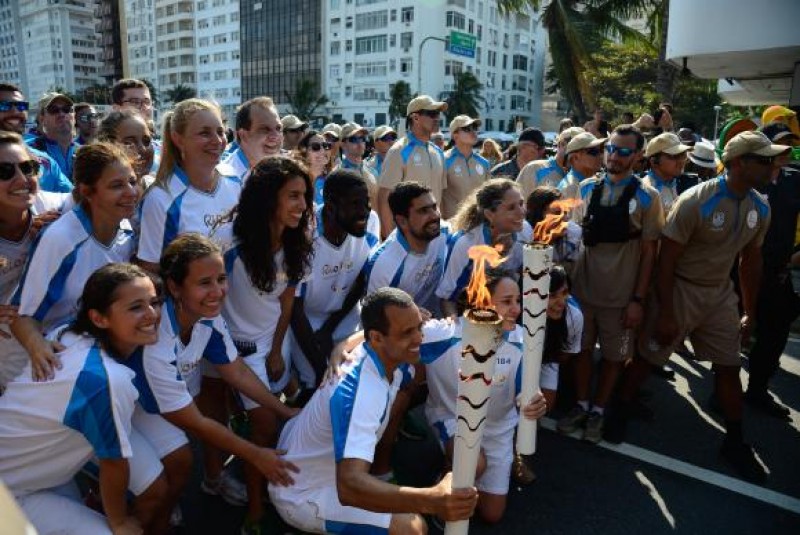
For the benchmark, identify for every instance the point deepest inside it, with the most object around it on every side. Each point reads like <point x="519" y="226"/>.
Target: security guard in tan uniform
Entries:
<point x="413" y="157"/>
<point x="667" y="156"/>
<point x="551" y="171"/>
<point x="466" y="170"/>
<point x="354" y="144"/>
<point x="621" y="228"/>
<point x="707" y="227"/>
<point x="585" y="158"/>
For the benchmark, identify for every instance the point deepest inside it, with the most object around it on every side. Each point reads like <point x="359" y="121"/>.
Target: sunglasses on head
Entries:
<point x="389" y="138"/>
<point x="433" y="114"/>
<point x="316" y="146"/>
<point x="20" y="105"/>
<point x="356" y="139"/>
<point x="761" y="160"/>
<point x="28" y="168"/>
<point x="594" y="151"/>
<point x="88" y="117"/>
<point x="622" y="151"/>
<point x="53" y="109"/>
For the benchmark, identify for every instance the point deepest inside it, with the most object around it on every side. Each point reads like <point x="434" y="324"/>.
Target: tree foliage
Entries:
<point x="466" y="97"/>
<point x="399" y="97"/>
<point x="305" y="99"/>
<point x="154" y="96"/>
<point x="179" y="93"/>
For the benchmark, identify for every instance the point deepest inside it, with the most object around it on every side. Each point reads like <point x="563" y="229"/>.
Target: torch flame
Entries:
<point x="554" y="224"/>
<point x="478" y="295"/>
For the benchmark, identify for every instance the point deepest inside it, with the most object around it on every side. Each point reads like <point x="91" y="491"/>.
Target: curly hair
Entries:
<point x="258" y="205"/>
<point x="487" y="197"/>
<point x="538" y="201"/>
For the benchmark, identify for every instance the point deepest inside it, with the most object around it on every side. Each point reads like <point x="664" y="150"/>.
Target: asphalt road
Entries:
<point x="667" y="478"/>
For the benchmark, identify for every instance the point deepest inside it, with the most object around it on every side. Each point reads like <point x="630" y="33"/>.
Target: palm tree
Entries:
<point x="179" y="93"/>
<point x="305" y="100"/>
<point x="399" y="95"/>
<point x="577" y="27"/>
<point x="466" y="98"/>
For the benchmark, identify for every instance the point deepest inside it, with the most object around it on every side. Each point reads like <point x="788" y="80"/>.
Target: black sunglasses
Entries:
<point x="88" y="117"/>
<point x="317" y="146"/>
<point x="28" y="168"/>
<point x="761" y="160"/>
<point x="20" y="105"/>
<point x="53" y="109"/>
<point x="357" y="139"/>
<point x="594" y="151"/>
<point x="433" y="114"/>
<point x="471" y="128"/>
<point x="389" y="137"/>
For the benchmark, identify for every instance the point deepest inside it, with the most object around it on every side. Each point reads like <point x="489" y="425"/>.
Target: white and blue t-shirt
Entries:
<point x="179" y="208"/>
<point x="49" y="430"/>
<point x="458" y="268"/>
<point x="334" y="270"/>
<point x="343" y="420"/>
<point x="168" y="372"/>
<point x="63" y="257"/>
<point x="393" y="263"/>
<point x="234" y="164"/>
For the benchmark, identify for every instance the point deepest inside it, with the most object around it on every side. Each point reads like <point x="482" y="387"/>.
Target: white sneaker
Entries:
<point x="226" y="487"/>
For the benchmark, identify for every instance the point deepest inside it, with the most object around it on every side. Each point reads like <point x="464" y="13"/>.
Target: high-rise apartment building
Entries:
<point x="371" y="44"/>
<point x="12" y="61"/>
<point x="59" y="44"/>
<point x="141" y="38"/>
<point x="175" y="43"/>
<point x="281" y="44"/>
<point x="217" y="53"/>
<point x="113" y="48"/>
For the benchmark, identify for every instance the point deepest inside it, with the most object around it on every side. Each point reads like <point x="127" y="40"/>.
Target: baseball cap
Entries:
<point x="778" y="131"/>
<point x="533" y="135"/>
<point x="49" y="98"/>
<point x="461" y="121"/>
<point x="291" y="122"/>
<point x="333" y="129"/>
<point x="382" y="131"/>
<point x="584" y="140"/>
<point x="424" y="102"/>
<point x="569" y="133"/>
<point x="668" y="143"/>
<point x="775" y="113"/>
<point x="351" y="129"/>
<point x="751" y="142"/>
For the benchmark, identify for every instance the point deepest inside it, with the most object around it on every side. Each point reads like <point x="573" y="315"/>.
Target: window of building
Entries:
<point x="455" y="20"/>
<point x="220" y="38"/>
<point x="407" y="40"/>
<point x="348" y="45"/>
<point x="452" y="67"/>
<point x="203" y="41"/>
<point x="221" y="56"/>
<point x="219" y="20"/>
<point x="370" y="68"/>
<point x="392" y="40"/>
<point x="348" y="68"/>
<point x="203" y="59"/>
<point x="348" y="22"/>
<point x="406" y="65"/>
<point x="505" y="61"/>
<point x="372" y="21"/>
<point x="520" y="62"/>
<point x="202" y="24"/>
<point x="335" y="4"/>
<point x="407" y="14"/>
<point x="205" y="76"/>
<point x="371" y="44"/>
<point x="471" y="26"/>
<point x="459" y="3"/>
<point x="480" y="32"/>
<point x="393" y="15"/>
<point x="335" y="48"/>
<point x="220" y="75"/>
<point x="333" y="71"/>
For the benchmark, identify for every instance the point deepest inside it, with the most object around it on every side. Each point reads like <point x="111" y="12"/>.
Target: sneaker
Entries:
<point x="226" y="487"/>
<point x="593" y="432"/>
<point x="765" y="403"/>
<point x="742" y="459"/>
<point x="521" y="472"/>
<point x="251" y="527"/>
<point x="574" y="420"/>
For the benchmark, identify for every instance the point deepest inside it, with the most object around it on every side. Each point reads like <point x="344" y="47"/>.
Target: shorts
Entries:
<point x="60" y="511"/>
<point x="709" y="316"/>
<point x="318" y="510"/>
<point x="258" y="363"/>
<point x="499" y="450"/>
<point x="616" y="342"/>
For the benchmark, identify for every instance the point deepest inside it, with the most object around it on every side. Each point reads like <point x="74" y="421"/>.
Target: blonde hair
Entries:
<point x="176" y="122"/>
<point x="491" y="150"/>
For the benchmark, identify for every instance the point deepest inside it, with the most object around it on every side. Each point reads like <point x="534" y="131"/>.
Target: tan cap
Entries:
<point x="351" y="129"/>
<point x="49" y="98"/>
<point x="424" y="102"/>
<point x="291" y="122"/>
<point x="382" y="131"/>
<point x="332" y="128"/>
<point x="751" y="142"/>
<point x="461" y="121"/>
<point x="569" y="133"/>
<point x="668" y="143"/>
<point x="584" y="140"/>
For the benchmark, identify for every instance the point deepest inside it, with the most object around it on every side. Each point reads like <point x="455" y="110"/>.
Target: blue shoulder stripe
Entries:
<point x="173" y="220"/>
<point x="761" y="206"/>
<point x="431" y="351"/>
<point x="341" y="407"/>
<point x="147" y="398"/>
<point x="230" y="258"/>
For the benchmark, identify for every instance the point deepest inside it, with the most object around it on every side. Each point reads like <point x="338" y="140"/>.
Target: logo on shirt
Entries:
<point x="417" y="159"/>
<point x="717" y="220"/>
<point x="457" y="169"/>
<point x="632" y="206"/>
<point x="752" y="219"/>
<point x="479" y="169"/>
<point x="212" y="220"/>
<point x="330" y="270"/>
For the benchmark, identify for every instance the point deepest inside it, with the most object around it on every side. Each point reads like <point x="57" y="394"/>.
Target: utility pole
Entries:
<point x="419" y="59"/>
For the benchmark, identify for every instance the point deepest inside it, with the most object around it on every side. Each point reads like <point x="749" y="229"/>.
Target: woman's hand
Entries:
<point x="536" y="409"/>
<point x="275" y="469"/>
<point x="275" y="365"/>
<point x="44" y="361"/>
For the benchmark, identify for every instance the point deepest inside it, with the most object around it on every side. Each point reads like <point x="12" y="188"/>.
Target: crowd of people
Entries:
<point x="287" y="296"/>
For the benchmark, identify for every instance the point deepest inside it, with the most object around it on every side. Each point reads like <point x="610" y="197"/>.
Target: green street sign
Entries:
<point x="462" y="44"/>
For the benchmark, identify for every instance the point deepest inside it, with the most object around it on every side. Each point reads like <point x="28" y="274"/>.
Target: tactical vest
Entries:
<point x="609" y="224"/>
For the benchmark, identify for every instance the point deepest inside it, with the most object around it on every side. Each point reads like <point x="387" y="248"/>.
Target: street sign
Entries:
<point x="462" y="44"/>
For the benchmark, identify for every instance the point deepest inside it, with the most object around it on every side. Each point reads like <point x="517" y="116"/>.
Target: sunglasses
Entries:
<point x="470" y="128"/>
<point x="389" y="138"/>
<point x="8" y="170"/>
<point x="761" y="160"/>
<point x="356" y="139"/>
<point x="317" y="146"/>
<point x="295" y="130"/>
<point x="594" y="151"/>
<point x="20" y="105"/>
<point x="433" y="114"/>
<point x="676" y="157"/>
<point x="622" y="151"/>
<point x="332" y="138"/>
<point x="88" y="117"/>
<point x="54" y="110"/>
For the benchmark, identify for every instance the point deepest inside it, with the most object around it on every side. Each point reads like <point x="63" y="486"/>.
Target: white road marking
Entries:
<point x="704" y="475"/>
<point x="646" y="483"/>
